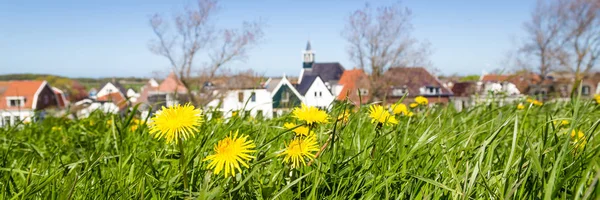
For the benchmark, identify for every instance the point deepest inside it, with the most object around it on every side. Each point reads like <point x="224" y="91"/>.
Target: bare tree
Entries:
<point x="381" y="38"/>
<point x="543" y="32"/>
<point x="193" y="39"/>
<point x="580" y="35"/>
<point x="566" y="34"/>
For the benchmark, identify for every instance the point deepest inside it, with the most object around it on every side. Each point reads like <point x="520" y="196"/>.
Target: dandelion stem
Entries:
<point x="182" y="163"/>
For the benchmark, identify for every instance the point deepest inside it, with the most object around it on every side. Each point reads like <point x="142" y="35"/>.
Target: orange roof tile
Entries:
<point x="25" y="89"/>
<point x="172" y="84"/>
<point x="116" y="97"/>
<point x="350" y="80"/>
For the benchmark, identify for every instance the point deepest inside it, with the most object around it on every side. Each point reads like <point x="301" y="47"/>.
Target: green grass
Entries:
<point x="487" y="152"/>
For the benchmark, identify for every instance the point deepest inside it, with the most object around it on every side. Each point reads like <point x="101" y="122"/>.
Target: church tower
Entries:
<point x="308" y="57"/>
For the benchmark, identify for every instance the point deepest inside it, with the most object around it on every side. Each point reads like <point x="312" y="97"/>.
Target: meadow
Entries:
<point x="548" y="151"/>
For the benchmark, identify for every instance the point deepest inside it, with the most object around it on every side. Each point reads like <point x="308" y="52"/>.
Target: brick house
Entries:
<point x="413" y="82"/>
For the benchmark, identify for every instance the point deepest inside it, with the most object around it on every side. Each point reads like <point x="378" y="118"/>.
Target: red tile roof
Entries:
<point x="116" y="97"/>
<point x="413" y="78"/>
<point x="25" y="89"/>
<point x="351" y="80"/>
<point x="172" y="84"/>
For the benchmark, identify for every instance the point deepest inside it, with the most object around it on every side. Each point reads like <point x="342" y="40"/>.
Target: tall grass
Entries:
<point x="487" y="152"/>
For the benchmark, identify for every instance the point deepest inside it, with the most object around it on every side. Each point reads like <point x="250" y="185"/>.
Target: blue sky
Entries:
<point x="110" y="38"/>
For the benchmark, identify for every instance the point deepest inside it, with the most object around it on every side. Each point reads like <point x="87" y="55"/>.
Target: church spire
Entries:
<point x="308" y="57"/>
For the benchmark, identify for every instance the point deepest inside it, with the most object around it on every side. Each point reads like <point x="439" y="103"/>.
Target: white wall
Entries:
<point x="107" y="89"/>
<point x="231" y="102"/>
<point x="106" y="107"/>
<point x="323" y="98"/>
<point x="23" y="115"/>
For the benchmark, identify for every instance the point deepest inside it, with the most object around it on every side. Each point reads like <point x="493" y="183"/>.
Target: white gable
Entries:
<point x="107" y="89"/>
<point x="285" y="81"/>
<point x="153" y="83"/>
<point x="318" y="95"/>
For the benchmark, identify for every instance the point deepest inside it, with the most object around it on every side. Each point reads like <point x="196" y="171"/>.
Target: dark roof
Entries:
<point x="272" y="84"/>
<point x="118" y="85"/>
<point x="327" y="71"/>
<point x="307" y="81"/>
<point x="413" y="78"/>
<point x="464" y="89"/>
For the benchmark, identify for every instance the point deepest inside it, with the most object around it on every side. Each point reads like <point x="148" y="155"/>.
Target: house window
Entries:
<point x="320" y="94"/>
<point x="432" y="90"/>
<point x="241" y="97"/>
<point x="253" y="97"/>
<point x="363" y="92"/>
<point x="6" y="120"/>
<point x="585" y="90"/>
<point x="285" y="96"/>
<point x="399" y="91"/>
<point x="315" y="93"/>
<point x="15" y="101"/>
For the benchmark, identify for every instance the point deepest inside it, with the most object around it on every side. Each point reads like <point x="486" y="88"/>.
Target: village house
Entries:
<point x="253" y="102"/>
<point x="317" y="85"/>
<point x="355" y="87"/>
<point x="169" y="92"/>
<point x="20" y="100"/>
<point x="242" y="95"/>
<point x="559" y="86"/>
<point x="413" y="82"/>
<point x="284" y="95"/>
<point x="464" y="94"/>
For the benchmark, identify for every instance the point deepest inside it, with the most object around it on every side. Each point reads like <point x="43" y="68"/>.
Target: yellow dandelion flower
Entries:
<point x="413" y="105"/>
<point x="399" y="108"/>
<point x="578" y="138"/>
<point x="343" y="117"/>
<point x="597" y="98"/>
<point x="300" y="150"/>
<point x="300" y="131"/>
<point x="310" y="114"/>
<point x="562" y="123"/>
<point x="537" y="103"/>
<point x="176" y="122"/>
<point x="421" y="100"/>
<point x="529" y="100"/>
<point x="56" y="128"/>
<point x="410" y="114"/>
<point x="230" y="153"/>
<point x="380" y="115"/>
<point x="520" y="106"/>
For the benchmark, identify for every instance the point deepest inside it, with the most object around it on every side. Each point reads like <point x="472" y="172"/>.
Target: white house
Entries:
<point x="87" y="106"/>
<point x="253" y="102"/>
<point x="133" y="96"/>
<point x="315" y="92"/>
<point x="111" y="87"/>
<point x="317" y="85"/>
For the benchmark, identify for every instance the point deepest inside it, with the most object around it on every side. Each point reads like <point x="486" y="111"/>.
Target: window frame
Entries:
<point x="20" y="100"/>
